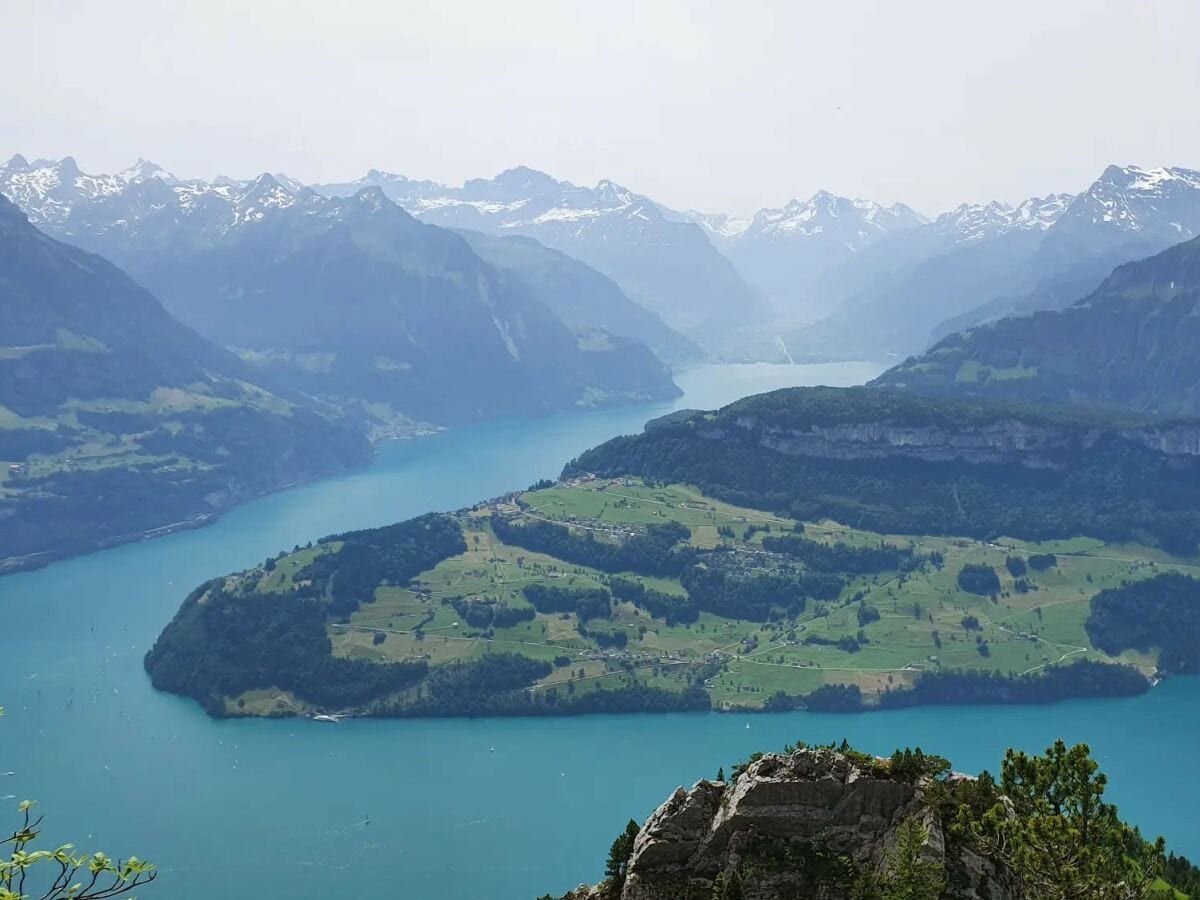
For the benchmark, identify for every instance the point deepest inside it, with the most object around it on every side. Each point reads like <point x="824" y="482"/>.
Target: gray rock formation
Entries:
<point x="1006" y="440"/>
<point x="803" y="825"/>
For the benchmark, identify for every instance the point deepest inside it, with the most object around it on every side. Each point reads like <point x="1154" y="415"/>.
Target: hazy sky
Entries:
<point x="730" y="105"/>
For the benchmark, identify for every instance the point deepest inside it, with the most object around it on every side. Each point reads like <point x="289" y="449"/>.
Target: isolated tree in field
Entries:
<point x="1058" y="836"/>
<point x="29" y="873"/>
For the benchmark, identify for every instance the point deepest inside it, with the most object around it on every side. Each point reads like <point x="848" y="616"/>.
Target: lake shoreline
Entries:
<point x="34" y="561"/>
<point x="1126" y="689"/>
<point x="378" y="438"/>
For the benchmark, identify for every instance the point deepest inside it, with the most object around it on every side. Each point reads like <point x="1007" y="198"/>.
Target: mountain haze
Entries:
<point x="1127" y="214"/>
<point x="979" y="263"/>
<point x="115" y="418"/>
<point x="908" y="282"/>
<point x="668" y="266"/>
<point x="787" y="251"/>
<point x="580" y="295"/>
<point x="1133" y="343"/>
<point x="347" y="297"/>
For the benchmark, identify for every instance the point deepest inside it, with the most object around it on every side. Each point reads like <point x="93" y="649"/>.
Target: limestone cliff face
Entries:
<point x="1004" y="441"/>
<point x="791" y="826"/>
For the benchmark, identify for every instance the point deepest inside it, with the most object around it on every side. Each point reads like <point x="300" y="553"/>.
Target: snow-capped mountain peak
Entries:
<point x="1135" y="178"/>
<point x="718" y="225"/>
<point x="1041" y="212"/>
<point x="292" y="184"/>
<point x="260" y="196"/>
<point x="786" y="250"/>
<point x="144" y="169"/>
<point x="1135" y="199"/>
<point x="975" y="222"/>
<point x="58" y="197"/>
<point x="49" y="191"/>
<point x="46" y="189"/>
<point x="372" y="198"/>
<point x="611" y="192"/>
<point x="855" y="222"/>
<point x="515" y="183"/>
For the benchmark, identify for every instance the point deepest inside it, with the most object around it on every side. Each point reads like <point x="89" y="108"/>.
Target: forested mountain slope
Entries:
<point x="897" y="462"/>
<point x="1133" y="343"/>
<point x="115" y="418"/>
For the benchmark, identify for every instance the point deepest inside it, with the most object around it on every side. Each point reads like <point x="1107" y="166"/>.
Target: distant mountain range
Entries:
<point x="826" y="278"/>
<point x="980" y="263"/>
<point x="116" y="419"/>
<point x="349" y="298"/>
<point x="1128" y="214"/>
<point x="1133" y="343"/>
<point x="786" y="252"/>
<point x="662" y="262"/>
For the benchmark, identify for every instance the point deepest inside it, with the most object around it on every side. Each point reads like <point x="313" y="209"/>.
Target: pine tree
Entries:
<point x="912" y="876"/>
<point x="619" y="854"/>
<point x="732" y="888"/>
<point x="1064" y="842"/>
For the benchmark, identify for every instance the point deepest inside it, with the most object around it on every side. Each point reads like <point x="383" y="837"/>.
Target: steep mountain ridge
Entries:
<point x="580" y="295"/>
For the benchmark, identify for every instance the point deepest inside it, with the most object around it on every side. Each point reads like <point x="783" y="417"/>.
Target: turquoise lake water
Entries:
<point x="266" y="809"/>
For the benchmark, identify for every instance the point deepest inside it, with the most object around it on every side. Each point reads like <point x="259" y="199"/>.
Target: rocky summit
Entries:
<point x="807" y="824"/>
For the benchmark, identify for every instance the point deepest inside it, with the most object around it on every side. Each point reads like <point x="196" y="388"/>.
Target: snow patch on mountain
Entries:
<point x="972" y="223"/>
<point x="1130" y="198"/>
<point x="718" y="225"/>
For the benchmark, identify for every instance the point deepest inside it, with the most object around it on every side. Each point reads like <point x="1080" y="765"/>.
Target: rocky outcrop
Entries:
<point x="800" y="825"/>
<point x="1003" y="441"/>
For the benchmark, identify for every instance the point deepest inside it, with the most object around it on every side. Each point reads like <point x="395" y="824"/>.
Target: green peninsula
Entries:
<point x="614" y="594"/>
